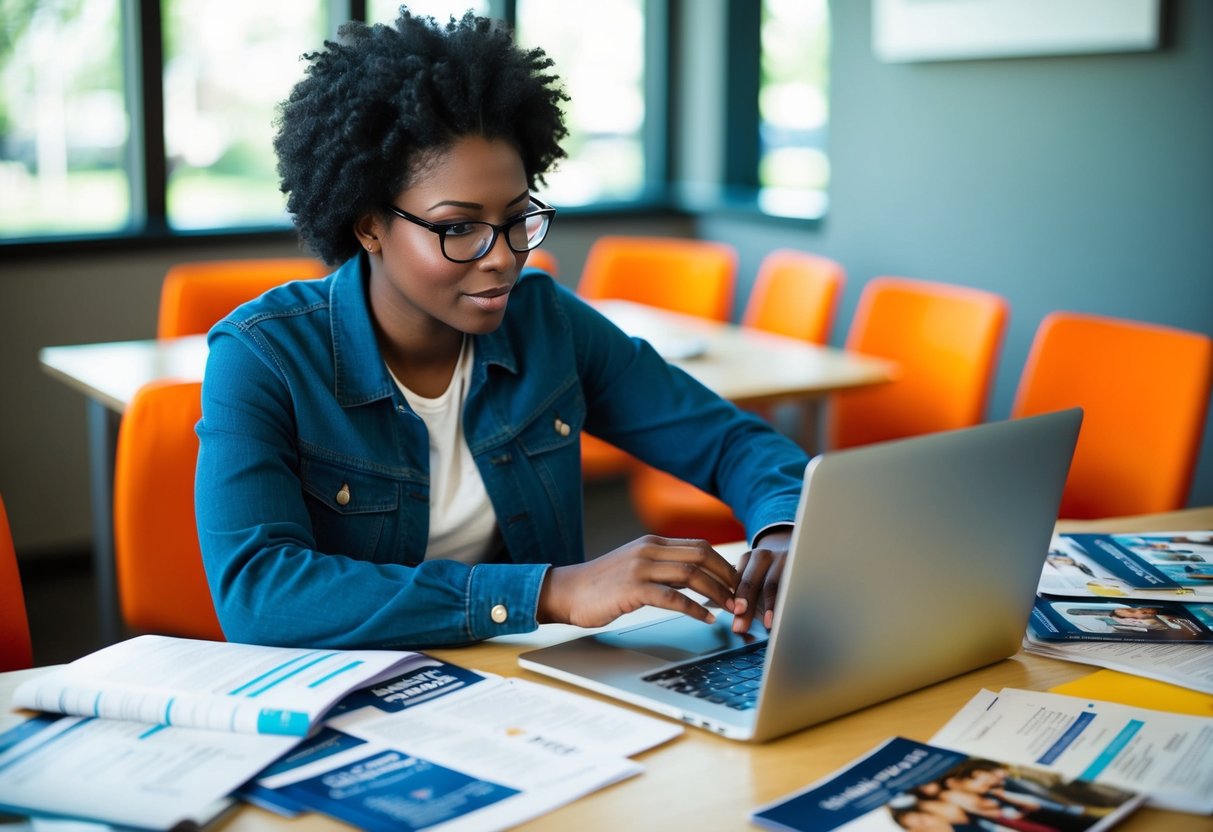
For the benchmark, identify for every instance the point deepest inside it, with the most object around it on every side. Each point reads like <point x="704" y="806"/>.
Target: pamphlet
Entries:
<point x="1147" y="566"/>
<point x="904" y="784"/>
<point x="1166" y="756"/>
<point x="1187" y="665"/>
<point x="211" y="685"/>
<point x="1105" y="619"/>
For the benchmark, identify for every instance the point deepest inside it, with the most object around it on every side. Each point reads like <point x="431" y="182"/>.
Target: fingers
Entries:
<point x="757" y="587"/>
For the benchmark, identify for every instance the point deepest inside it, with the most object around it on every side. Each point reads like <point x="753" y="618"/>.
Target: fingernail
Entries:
<point x="711" y="618"/>
<point x="739" y="606"/>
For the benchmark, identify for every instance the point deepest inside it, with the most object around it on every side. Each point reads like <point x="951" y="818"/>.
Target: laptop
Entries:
<point x="912" y="561"/>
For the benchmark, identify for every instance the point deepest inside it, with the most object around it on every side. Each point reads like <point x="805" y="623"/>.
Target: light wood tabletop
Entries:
<point x="701" y="781"/>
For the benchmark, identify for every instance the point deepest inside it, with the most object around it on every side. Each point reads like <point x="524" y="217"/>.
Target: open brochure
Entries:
<point x="1106" y="619"/>
<point x="1186" y="665"/>
<point x="210" y="685"/>
<point x="1148" y="566"/>
<point x="435" y="747"/>
<point x="1166" y="756"/>
<point x="904" y="784"/>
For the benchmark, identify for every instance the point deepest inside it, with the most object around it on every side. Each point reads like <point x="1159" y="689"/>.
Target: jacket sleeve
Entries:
<point x="271" y="585"/>
<point x="657" y="412"/>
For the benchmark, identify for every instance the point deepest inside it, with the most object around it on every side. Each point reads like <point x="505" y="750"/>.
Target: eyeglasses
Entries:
<point x="463" y="242"/>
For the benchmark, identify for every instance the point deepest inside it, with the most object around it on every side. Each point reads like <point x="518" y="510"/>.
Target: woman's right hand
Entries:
<point x="648" y="571"/>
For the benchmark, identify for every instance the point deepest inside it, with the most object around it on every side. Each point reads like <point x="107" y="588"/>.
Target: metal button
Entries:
<point x="499" y="614"/>
<point x="562" y="427"/>
<point x="343" y="496"/>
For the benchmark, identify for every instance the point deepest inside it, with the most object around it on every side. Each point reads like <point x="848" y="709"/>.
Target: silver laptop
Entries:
<point x="912" y="561"/>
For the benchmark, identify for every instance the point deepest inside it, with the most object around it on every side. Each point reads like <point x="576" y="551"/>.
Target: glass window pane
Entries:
<point x="63" y="119"/>
<point x="600" y="60"/>
<point x="224" y="75"/>
<point x="794" y="169"/>
<point x="386" y="11"/>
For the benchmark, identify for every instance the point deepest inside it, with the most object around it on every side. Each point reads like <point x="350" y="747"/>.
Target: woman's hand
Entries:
<point x="760" y="570"/>
<point x="648" y="571"/>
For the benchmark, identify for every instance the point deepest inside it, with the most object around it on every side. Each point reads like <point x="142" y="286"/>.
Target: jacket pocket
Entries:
<point x="352" y="510"/>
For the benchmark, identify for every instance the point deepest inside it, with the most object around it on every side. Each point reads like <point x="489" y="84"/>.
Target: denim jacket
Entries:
<point x="312" y="489"/>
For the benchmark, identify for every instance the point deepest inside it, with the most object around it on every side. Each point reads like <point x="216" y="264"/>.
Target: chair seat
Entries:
<point x="673" y="508"/>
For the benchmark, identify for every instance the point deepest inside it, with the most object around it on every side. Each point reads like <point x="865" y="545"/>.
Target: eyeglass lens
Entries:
<point x="474" y="239"/>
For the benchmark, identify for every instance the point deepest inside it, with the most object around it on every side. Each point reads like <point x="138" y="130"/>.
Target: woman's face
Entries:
<point x="413" y="285"/>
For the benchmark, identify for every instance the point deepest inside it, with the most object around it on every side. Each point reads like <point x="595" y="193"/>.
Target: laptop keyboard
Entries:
<point x="732" y="679"/>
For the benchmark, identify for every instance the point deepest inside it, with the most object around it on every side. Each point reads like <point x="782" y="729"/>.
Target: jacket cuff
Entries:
<point x="503" y="598"/>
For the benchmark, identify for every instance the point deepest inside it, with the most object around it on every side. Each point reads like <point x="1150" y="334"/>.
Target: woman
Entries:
<point x="390" y="456"/>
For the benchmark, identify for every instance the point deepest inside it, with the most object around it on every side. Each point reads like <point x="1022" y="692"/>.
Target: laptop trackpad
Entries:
<point x="681" y="638"/>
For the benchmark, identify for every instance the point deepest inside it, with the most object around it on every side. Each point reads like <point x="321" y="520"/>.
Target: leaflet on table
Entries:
<point x="213" y="685"/>
<point x="904" y="784"/>
<point x="487" y="752"/>
<point x="1188" y="665"/>
<point x="127" y="773"/>
<point x="1105" y="619"/>
<point x="1166" y="756"/>
<point x="1150" y="566"/>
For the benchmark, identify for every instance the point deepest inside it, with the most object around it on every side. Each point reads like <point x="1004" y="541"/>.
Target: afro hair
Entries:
<point x="379" y="101"/>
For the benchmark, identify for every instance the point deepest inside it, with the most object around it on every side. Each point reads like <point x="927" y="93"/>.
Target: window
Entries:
<point x="793" y="168"/>
<point x="602" y="67"/>
<point x="386" y="11"/>
<point x="64" y="132"/>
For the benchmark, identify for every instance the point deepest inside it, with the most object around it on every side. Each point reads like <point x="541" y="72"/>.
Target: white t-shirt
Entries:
<point x="463" y="526"/>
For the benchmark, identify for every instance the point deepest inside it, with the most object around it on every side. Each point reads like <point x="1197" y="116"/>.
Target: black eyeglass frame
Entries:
<point x="442" y="228"/>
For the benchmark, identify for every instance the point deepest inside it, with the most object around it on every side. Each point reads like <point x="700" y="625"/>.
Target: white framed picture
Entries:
<point x="941" y="30"/>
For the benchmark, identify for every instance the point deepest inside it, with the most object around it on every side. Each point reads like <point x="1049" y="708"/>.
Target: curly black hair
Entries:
<point x="376" y="104"/>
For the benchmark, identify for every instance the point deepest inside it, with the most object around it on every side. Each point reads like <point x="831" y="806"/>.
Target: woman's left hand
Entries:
<point x="759" y="571"/>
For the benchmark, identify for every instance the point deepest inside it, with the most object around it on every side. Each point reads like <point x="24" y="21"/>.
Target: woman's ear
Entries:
<point x="367" y="229"/>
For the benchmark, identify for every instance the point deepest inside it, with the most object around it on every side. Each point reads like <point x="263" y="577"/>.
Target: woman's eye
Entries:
<point x="459" y="229"/>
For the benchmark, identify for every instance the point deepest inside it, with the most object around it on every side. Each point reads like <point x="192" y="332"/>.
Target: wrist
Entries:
<point x="548" y="609"/>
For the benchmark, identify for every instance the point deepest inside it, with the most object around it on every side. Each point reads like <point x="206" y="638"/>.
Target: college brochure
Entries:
<point x="1105" y="619"/>
<point x="1166" y="756"/>
<point x="1149" y="566"/>
<point x="211" y="685"/>
<point x="904" y="784"/>
<point x="1187" y="665"/>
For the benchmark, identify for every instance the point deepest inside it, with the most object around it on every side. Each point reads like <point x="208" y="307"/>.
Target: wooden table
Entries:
<point x="700" y="781"/>
<point x="740" y="364"/>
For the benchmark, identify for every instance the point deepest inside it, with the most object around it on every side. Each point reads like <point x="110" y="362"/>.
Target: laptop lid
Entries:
<point x="912" y="561"/>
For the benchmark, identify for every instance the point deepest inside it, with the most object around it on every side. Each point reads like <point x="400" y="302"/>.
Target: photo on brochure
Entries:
<point x="905" y="784"/>
<point x="1160" y="566"/>
<point x="1105" y="619"/>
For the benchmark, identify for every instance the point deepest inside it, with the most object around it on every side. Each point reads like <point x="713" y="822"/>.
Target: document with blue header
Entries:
<point x="211" y="685"/>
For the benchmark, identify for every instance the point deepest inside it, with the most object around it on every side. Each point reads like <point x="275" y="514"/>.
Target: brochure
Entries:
<point x="1105" y="619"/>
<point x="904" y="784"/>
<point x="1148" y="566"/>
<point x="211" y="685"/>
<point x="1166" y="756"/>
<point x="1187" y="665"/>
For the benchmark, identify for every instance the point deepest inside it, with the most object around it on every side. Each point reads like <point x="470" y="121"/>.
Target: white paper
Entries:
<point x="1186" y="665"/>
<point x="212" y="685"/>
<point x="1167" y="756"/>
<point x="129" y="773"/>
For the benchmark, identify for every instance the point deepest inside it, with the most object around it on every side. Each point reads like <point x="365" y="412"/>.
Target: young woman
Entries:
<point x="390" y="456"/>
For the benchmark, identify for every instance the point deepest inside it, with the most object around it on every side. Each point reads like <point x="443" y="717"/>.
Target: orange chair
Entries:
<point x="16" y="650"/>
<point x="541" y="258"/>
<point x="162" y="586"/>
<point x="695" y="277"/>
<point x="945" y="341"/>
<point x="1144" y="390"/>
<point x="195" y="296"/>
<point x="795" y="294"/>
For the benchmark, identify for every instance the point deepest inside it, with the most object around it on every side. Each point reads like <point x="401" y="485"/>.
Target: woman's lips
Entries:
<point x="491" y="300"/>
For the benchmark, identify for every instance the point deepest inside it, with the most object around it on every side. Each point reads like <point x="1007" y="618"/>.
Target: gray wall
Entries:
<point x="1081" y="183"/>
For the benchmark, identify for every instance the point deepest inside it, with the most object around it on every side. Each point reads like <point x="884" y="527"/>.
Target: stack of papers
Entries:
<point x="157" y="732"/>
<point x="1138" y="603"/>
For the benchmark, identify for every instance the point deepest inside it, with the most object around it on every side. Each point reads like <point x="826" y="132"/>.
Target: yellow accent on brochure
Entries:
<point x="1126" y="689"/>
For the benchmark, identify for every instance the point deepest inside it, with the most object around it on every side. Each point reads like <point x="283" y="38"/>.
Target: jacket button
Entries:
<point x="499" y="614"/>
<point x="562" y="427"/>
<point x="343" y="496"/>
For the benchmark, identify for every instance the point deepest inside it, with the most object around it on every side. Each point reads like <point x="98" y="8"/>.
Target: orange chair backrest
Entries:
<point x="162" y="585"/>
<point x="695" y="277"/>
<point x="1144" y="390"/>
<point x="795" y="294"/>
<point x="16" y="651"/>
<point x="944" y="340"/>
<point x="196" y="296"/>
<point x="541" y="258"/>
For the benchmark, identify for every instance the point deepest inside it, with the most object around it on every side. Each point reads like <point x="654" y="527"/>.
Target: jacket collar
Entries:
<point x="360" y="376"/>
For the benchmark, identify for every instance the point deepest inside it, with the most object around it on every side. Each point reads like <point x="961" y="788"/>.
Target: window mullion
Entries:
<point x="151" y="167"/>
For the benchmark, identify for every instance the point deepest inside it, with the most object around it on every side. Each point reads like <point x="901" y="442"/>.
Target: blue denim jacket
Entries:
<point x="312" y="489"/>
